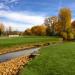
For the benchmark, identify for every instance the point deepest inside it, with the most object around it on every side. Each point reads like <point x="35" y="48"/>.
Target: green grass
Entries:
<point x="8" y="42"/>
<point x="53" y="60"/>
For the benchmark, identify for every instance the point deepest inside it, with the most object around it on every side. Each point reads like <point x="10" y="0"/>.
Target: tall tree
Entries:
<point x="64" y="18"/>
<point x="48" y="24"/>
<point x="1" y="28"/>
<point x="47" y="21"/>
<point x="51" y="22"/>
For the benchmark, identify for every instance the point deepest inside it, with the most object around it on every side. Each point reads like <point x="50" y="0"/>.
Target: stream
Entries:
<point x="9" y="56"/>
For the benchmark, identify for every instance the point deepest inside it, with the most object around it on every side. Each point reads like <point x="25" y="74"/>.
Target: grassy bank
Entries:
<point x="53" y="60"/>
<point x="8" y="42"/>
<point x="18" y="43"/>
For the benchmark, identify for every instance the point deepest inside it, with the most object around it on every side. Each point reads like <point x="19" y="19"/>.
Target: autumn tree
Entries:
<point x="64" y="20"/>
<point x="73" y="24"/>
<point x="27" y="32"/>
<point x="47" y="23"/>
<point x="48" y="31"/>
<point x="73" y="27"/>
<point x="57" y="28"/>
<point x="51" y="22"/>
<point x="1" y="29"/>
<point x="39" y="30"/>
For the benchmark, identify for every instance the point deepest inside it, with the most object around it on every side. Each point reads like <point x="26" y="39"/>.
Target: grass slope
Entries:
<point x="53" y="60"/>
<point x="7" y="42"/>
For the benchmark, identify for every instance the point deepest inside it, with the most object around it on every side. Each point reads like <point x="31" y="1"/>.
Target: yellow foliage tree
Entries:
<point x="27" y="32"/>
<point x="39" y="30"/>
<point x="64" y="18"/>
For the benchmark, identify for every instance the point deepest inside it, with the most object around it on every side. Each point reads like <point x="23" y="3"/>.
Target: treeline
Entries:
<point x="5" y="31"/>
<point x="59" y="25"/>
<point x="36" y="30"/>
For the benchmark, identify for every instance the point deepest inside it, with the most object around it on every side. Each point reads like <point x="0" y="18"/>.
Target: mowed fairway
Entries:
<point x="53" y="60"/>
<point x="8" y="42"/>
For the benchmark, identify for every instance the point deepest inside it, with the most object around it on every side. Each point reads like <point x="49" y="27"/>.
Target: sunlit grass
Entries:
<point x="8" y="42"/>
<point x="53" y="60"/>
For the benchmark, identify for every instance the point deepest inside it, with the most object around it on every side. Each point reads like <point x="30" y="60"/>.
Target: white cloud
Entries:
<point x="21" y="20"/>
<point x="5" y="3"/>
<point x="22" y="17"/>
<point x="3" y="6"/>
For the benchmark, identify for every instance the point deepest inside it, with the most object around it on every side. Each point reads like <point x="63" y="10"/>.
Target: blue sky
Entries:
<point x="22" y="14"/>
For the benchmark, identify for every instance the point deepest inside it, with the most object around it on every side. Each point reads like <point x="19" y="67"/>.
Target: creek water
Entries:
<point x="26" y="52"/>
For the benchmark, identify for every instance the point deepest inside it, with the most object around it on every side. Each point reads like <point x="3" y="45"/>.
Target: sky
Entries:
<point x="23" y="14"/>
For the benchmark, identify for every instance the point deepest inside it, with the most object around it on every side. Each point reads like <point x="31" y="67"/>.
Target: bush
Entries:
<point x="70" y="36"/>
<point x="64" y="35"/>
